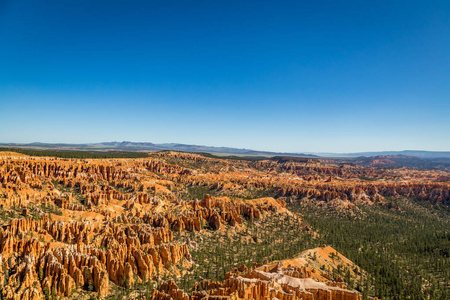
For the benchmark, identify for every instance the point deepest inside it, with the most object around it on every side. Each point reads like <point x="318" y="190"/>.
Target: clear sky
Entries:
<point x="297" y="76"/>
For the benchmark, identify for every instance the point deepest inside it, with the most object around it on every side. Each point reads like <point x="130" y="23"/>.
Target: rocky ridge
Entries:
<point x="290" y="279"/>
<point x="80" y="224"/>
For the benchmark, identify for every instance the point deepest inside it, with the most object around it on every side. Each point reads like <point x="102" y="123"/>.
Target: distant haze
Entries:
<point x="140" y="146"/>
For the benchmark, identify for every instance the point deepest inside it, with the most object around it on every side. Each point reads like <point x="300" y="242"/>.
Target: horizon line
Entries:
<point x="199" y="145"/>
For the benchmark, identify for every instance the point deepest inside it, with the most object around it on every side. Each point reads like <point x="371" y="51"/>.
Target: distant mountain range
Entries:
<point x="415" y="153"/>
<point x="391" y="159"/>
<point x="136" y="146"/>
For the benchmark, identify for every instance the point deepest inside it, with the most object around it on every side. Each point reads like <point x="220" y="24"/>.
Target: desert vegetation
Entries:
<point x="188" y="226"/>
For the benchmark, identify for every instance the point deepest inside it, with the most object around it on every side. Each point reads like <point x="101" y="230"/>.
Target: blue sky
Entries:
<point x="297" y="76"/>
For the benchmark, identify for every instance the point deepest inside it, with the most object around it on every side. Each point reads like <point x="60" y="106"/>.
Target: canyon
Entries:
<point x="77" y="228"/>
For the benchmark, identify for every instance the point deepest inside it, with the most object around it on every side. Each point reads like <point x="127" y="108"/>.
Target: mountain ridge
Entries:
<point x="148" y="146"/>
<point x="411" y="153"/>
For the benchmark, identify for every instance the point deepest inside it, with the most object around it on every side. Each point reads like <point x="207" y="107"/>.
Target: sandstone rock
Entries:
<point x="112" y="220"/>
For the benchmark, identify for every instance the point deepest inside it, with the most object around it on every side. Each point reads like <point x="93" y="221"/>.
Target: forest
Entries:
<point x="75" y="153"/>
<point x="406" y="249"/>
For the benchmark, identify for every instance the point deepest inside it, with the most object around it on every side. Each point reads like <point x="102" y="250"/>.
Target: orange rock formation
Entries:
<point x="71" y="224"/>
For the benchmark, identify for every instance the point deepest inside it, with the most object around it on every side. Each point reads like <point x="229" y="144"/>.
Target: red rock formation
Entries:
<point x="97" y="223"/>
